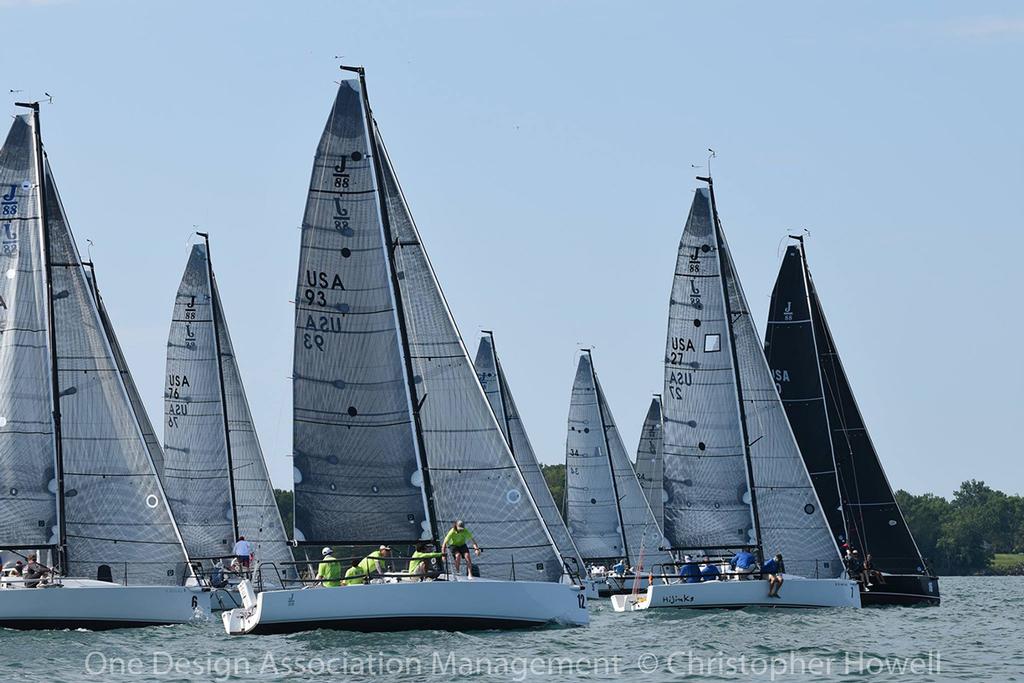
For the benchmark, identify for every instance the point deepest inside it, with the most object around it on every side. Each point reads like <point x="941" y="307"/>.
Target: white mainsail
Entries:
<point x="608" y="514"/>
<point x="215" y="473"/>
<point x="726" y="432"/>
<point x="114" y="521"/>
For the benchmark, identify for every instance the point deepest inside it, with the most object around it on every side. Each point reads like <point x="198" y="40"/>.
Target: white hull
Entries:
<point x="428" y="605"/>
<point x="97" y="605"/>
<point x="796" y="592"/>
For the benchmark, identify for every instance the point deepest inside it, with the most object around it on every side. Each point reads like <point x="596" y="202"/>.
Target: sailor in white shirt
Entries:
<point x="243" y="552"/>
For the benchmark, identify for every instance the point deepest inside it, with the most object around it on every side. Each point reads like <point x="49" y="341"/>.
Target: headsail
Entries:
<point x="357" y="468"/>
<point x="733" y="472"/>
<point x="28" y="501"/>
<point x="116" y="515"/>
<point x="495" y="385"/>
<point x="828" y="425"/>
<point x="650" y="467"/>
<point x="473" y="475"/>
<point x="203" y="382"/>
<point x="791" y="519"/>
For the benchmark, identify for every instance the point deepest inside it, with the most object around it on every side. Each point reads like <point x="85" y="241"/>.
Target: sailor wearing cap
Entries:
<point x="376" y="562"/>
<point x="458" y="539"/>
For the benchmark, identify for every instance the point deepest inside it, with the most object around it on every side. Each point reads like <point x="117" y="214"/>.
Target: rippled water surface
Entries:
<point x="977" y="634"/>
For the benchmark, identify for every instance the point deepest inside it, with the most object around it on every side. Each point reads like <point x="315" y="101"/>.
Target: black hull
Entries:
<point x="906" y="590"/>
<point x="391" y="624"/>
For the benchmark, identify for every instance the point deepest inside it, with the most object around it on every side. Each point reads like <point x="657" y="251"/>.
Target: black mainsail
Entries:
<point x="394" y="438"/>
<point x="847" y="473"/>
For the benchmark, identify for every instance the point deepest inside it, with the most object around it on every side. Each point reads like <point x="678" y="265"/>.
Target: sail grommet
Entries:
<point x="586" y="430"/>
<point x="701" y="446"/>
<point x="513" y="496"/>
<point x="352" y="412"/>
<point x="346" y="252"/>
<point x="357" y="155"/>
<point x="809" y="509"/>
<point x="593" y="501"/>
<point x="375" y="488"/>
<point x="696" y="323"/>
<point x="152" y="501"/>
<point x="705" y="248"/>
<point x="14" y="491"/>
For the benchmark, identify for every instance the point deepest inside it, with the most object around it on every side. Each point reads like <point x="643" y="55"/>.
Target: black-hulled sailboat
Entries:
<point x="733" y="477"/>
<point x="214" y="471"/>
<point x="78" y="481"/>
<point x="847" y="473"/>
<point x="394" y="439"/>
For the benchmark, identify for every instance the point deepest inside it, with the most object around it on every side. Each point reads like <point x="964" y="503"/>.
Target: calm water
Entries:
<point x="976" y="634"/>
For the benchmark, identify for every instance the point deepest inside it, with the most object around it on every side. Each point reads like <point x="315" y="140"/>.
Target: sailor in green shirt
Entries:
<point x="374" y="563"/>
<point x="355" y="576"/>
<point x="458" y="539"/>
<point x="329" y="571"/>
<point x="419" y="565"/>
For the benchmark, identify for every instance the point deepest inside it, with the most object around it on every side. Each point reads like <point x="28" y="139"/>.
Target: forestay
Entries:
<point x="829" y="426"/>
<point x="28" y="502"/>
<point x="650" y="466"/>
<point x="115" y="511"/>
<point x="473" y="475"/>
<point x="357" y="471"/>
<point x="492" y="378"/>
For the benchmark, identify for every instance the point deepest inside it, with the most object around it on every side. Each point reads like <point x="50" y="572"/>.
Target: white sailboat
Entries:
<point x="734" y="477"/>
<point x="394" y="438"/>
<point x="606" y="509"/>
<point x="78" y="484"/>
<point x="214" y="471"/>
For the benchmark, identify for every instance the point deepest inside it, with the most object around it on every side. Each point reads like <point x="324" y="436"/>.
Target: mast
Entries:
<point x="736" y="374"/>
<point x="391" y="245"/>
<point x="608" y="452"/>
<point x="44" y="225"/>
<point x="220" y="377"/>
<point x="501" y="395"/>
<point x="821" y="383"/>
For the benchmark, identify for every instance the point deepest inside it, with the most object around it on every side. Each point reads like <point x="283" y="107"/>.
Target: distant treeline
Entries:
<point x="959" y="536"/>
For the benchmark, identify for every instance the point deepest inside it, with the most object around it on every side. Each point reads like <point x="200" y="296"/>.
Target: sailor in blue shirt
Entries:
<point x="743" y="562"/>
<point x="774" y="569"/>
<point x="710" y="572"/>
<point x="689" y="572"/>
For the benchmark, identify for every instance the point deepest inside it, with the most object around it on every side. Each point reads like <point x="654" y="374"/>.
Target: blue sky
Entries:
<point x="546" y="151"/>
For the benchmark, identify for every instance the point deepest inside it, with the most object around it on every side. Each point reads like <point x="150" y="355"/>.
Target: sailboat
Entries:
<point x="394" y="439"/>
<point x="650" y="463"/>
<point x="847" y="473"/>
<point x="495" y="386"/>
<point x="214" y="471"/>
<point x="733" y="473"/>
<point x="78" y="483"/>
<point x="606" y="509"/>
